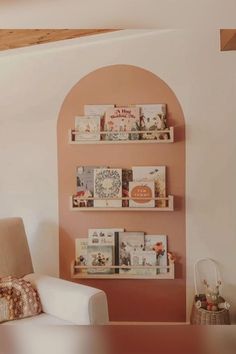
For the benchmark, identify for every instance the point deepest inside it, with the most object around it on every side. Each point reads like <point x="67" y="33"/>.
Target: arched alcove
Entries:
<point x="129" y="300"/>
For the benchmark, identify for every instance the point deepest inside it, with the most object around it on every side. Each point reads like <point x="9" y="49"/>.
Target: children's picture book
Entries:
<point x="156" y="174"/>
<point x="122" y="120"/>
<point x="125" y="243"/>
<point x="144" y="259"/>
<point x="108" y="187"/>
<point x="127" y="176"/>
<point x="100" y="256"/>
<point x="139" y="190"/>
<point x="153" y="117"/>
<point x="85" y="184"/>
<point x="103" y="236"/>
<point x="87" y="128"/>
<point x="158" y="244"/>
<point x="98" y="110"/>
<point x="81" y="248"/>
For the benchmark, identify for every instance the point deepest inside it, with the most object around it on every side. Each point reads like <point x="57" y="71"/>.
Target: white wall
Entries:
<point x="33" y="85"/>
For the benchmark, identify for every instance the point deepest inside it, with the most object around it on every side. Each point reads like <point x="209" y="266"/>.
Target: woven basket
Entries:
<point x="200" y="316"/>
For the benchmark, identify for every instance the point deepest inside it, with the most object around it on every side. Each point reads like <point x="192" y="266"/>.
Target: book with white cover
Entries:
<point x="138" y="190"/>
<point x="102" y="236"/>
<point x="126" y="243"/>
<point x="100" y="256"/>
<point x="156" y="174"/>
<point x="81" y="253"/>
<point x="98" y="110"/>
<point x="152" y="117"/>
<point x="108" y="187"/>
<point x="158" y="244"/>
<point x="144" y="258"/>
<point x="87" y="128"/>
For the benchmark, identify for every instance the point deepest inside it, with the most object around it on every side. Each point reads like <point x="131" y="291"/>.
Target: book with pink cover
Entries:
<point x="120" y="120"/>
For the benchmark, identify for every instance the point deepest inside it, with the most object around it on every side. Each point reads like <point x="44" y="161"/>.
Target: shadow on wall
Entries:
<point x="43" y="240"/>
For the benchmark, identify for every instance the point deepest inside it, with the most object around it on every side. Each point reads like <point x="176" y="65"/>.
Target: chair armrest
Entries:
<point x="69" y="301"/>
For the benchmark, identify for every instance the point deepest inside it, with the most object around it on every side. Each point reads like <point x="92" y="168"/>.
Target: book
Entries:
<point x="158" y="244"/>
<point x="100" y="256"/>
<point x="102" y="236"/>
<point x="125" y="243"/>
<point x="156" y="174"/>
<point x="153" y="117"/>
<point x="98" y="110"/>
<point x="81" y="246"/>
<point x="87" y="127"/>
<point x="144" y="190"/>
<point x="85" y="184"/>
<point x="127" y="176"/>
<point x="122" y="119"/>
<point x="144" y="258"/>
<point x="108" y="187"/>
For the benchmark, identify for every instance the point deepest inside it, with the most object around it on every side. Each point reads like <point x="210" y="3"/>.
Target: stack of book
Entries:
<point x="136" y="187"/>
<point x="134" y="252"/>
<point x="110" y="122"/>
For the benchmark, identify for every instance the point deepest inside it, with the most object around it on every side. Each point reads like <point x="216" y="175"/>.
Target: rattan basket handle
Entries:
<point x="196" y="271"/>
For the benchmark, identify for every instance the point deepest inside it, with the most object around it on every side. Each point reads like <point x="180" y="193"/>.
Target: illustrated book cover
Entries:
<point x="108" y="187"/>
<point x="153" y="117"/>
<point x="144" y="259"/>
<point x="122" y="120"/>
<point x="98" y="110"/>
<point x="87" y="128"/>
<point x="158" y="244"/>
<point x="99" y="257"/>
<point x="125" y="243"/>
<point x="103" y="236"/>
<point x="85" y="184"/>
<point x="127" y="176"/>
<point x="156" y="174"/>
<point x="139" y="190"/>
<point x="81" y="249"/>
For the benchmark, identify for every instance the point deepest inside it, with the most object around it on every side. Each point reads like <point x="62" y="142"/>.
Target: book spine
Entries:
<point x="116" y="236"/>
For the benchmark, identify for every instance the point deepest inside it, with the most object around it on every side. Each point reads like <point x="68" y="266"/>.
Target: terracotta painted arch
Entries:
<point x="129" y="300"/>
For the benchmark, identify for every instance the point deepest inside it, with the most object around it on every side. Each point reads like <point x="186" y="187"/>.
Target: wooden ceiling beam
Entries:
<point x="227" y="39"/>
<point x="16" y="38"/>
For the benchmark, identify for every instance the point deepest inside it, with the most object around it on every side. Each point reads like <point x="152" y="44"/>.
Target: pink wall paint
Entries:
<point x="129" y="300"/>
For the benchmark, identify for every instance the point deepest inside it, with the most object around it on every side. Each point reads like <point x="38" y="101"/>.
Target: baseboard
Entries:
<point x="128" y="323"/>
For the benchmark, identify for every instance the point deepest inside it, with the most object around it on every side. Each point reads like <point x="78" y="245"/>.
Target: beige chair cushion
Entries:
<point x="15" y="259"/>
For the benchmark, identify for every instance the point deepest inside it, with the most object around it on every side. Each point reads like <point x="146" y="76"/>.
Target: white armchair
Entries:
<point x="63" y="302"/>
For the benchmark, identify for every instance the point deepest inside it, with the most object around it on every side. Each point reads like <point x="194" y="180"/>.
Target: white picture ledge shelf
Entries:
<point x="79" y="272"/>
<point x="169" y="131"/>
<point x="169" y="201"/>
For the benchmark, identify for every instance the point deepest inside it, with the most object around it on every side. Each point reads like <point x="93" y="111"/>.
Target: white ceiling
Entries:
<point x="117" y="13"/>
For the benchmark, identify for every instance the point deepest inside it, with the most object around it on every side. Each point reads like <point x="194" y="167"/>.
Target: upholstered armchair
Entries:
<point x="63" y="302"/>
